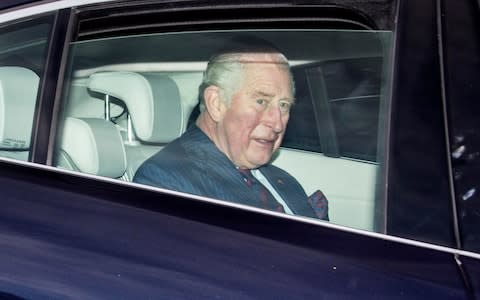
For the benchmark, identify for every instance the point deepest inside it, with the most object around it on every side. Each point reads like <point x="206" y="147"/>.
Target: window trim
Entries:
<point x="51" y="79"/>
<point x="107" y="20"/>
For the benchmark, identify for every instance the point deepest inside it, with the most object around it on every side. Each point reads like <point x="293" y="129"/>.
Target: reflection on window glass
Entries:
<point x="22" y="58"/>
<point x="210" y="122"/>
<point x="351" y="99"/>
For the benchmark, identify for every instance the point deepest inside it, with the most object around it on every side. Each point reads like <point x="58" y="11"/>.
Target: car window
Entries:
<point x="23" y="47"/>
<point x="123" y="106"/>
<point x="351" y="94"/>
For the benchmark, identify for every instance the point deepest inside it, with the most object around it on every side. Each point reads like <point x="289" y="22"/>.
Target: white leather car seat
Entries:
<point x="154" y="111"/>
<point x="18" y="94"/>
<point x="93" y="146"/>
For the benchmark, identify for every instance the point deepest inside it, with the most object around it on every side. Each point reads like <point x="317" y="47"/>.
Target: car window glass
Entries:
<point x="352" y="89"/>
<point x="23" y="48"/>
<point x="123" y="106"/>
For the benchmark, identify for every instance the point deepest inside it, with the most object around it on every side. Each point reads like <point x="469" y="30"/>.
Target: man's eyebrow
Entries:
<point x="292" y="100"/>
<point x="260" y="93"/>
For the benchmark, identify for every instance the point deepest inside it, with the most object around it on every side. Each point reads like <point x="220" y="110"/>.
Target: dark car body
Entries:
<point x="65" y="234"/>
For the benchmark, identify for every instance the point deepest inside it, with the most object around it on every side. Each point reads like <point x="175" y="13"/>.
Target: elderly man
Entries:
<point x="246" y="96"/>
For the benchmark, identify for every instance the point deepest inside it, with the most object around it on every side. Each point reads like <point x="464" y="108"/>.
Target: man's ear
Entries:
<point x="214" y="103"/>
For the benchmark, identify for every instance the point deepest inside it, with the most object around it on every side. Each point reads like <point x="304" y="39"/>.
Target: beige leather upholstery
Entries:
<point x="18" y="94"/>
<point x="152" y="100"/>
<point x="93" y="146"/>
<point x="154" y="105"/>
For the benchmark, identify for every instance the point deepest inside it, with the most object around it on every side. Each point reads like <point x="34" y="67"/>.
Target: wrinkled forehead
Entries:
<point x="267" y="74"/>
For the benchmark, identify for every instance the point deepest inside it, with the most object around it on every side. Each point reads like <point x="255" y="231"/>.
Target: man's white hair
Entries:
<point x="226" y="69"/>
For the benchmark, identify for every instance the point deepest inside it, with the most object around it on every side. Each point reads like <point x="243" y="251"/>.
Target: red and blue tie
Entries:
<point x="267" y="200"/>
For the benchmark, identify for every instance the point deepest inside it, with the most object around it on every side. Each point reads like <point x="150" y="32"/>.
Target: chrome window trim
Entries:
<point x="385" y="237"/>
<point x="37" y="9"/>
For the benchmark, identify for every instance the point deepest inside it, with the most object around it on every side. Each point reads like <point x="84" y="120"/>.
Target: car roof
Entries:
<point x="12" y="3"/>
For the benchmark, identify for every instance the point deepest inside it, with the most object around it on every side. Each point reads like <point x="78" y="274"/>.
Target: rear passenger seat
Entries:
<point x="93" y="146"/>
<point x="18" y="94"/>
<point x="154" y="107"/>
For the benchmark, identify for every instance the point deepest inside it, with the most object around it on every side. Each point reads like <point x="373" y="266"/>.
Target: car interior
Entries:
<point x="124" y="105"/>
<point x="127" y="97"/>
<point x="18" y="94"/>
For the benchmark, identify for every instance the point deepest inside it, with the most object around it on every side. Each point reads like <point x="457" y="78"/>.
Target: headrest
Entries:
<point x="153" y="102"/>
<point x="18" y="94"/>
<point x="94" y="146"/>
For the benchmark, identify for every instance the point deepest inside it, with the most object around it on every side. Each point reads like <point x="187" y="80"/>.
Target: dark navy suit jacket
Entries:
<point x="193" y="164"/>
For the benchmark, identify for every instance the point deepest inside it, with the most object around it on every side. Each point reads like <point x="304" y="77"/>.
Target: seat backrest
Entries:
<point x="18" y="94"/>
<point x="153" y="102"/>
<point x="92" y="146"/>
<point x="154" y="105"/>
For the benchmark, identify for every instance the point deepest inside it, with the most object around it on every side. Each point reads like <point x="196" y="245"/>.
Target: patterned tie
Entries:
<point x="267" y="200"/>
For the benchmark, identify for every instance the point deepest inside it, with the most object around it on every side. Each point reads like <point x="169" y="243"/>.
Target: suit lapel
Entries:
<point x="222" y="180"/>
<point x="222" y="176"/>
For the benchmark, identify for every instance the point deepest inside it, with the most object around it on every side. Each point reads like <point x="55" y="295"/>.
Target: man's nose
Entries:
<point x="273" y="118"/>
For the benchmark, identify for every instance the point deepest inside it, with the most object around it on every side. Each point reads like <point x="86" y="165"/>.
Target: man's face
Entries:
<point x="253" y="125"/>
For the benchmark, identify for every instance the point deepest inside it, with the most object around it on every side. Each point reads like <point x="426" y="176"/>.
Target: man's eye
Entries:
<point x="261" y="101"/>
<point x="285" y="106"/>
